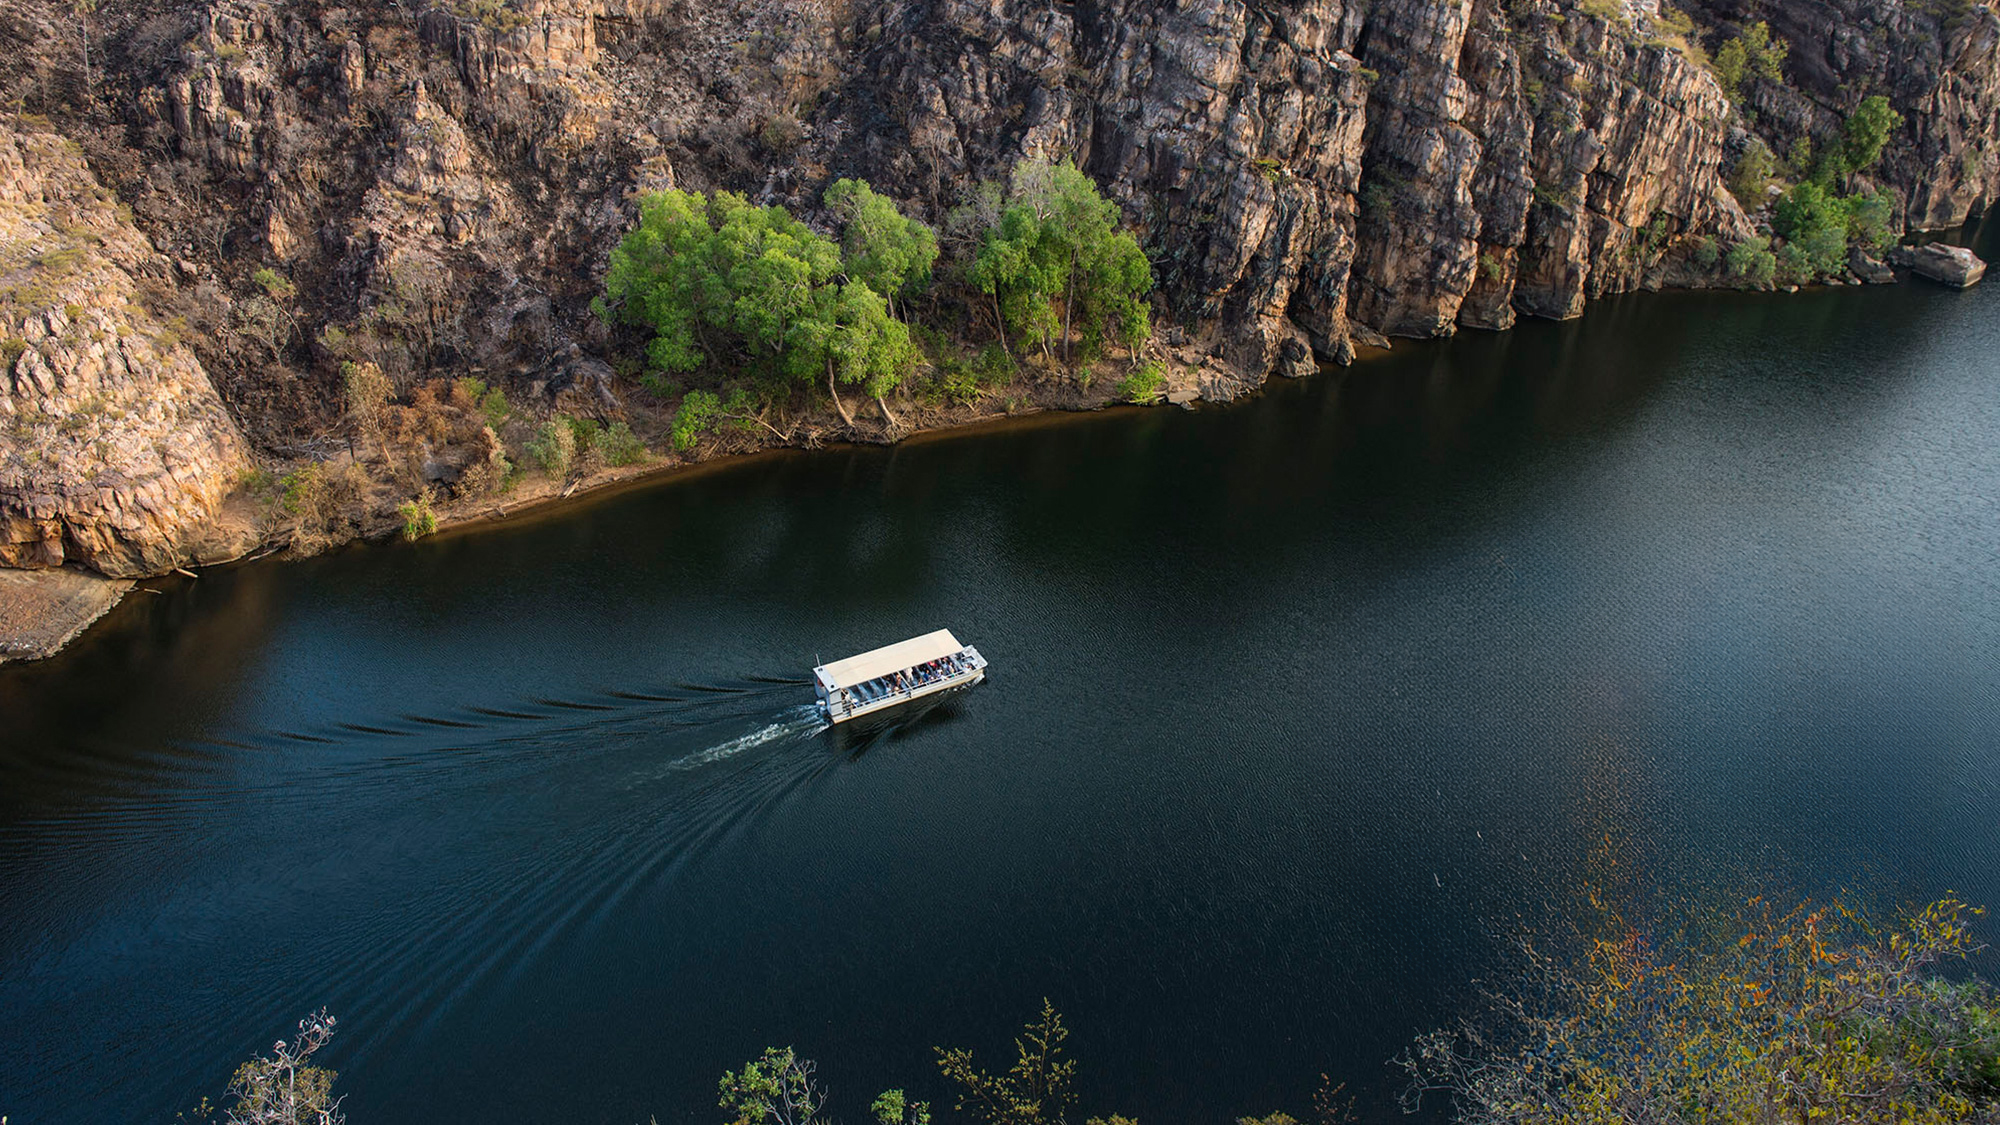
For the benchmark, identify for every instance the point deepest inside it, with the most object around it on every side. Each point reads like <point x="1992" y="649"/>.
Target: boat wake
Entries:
<point x="476" y="844"/>
<point x="801" y="722"/>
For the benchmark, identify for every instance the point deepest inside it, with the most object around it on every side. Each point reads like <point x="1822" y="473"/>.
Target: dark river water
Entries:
<point x="1298" y="709"/>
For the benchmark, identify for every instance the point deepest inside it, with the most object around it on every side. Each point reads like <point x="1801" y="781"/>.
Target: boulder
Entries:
<point x="1874" y="271"/>
<point x="1947" y="265"/>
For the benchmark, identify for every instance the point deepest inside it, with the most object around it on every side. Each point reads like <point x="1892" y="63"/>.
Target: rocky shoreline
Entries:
<point x="42" y="611"/>
<point x="213" y="212"/>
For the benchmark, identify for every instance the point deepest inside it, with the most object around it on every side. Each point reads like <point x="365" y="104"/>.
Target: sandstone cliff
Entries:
<point x="1939" y="64"/>
<point x="439" y="185"/>
<point x="117" y="449"/>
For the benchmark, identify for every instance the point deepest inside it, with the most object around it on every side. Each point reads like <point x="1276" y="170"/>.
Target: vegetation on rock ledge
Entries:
<point x="763" y="307"/>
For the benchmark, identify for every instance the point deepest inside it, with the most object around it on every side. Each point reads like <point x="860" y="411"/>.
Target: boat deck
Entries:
<point x="893" y="675"/>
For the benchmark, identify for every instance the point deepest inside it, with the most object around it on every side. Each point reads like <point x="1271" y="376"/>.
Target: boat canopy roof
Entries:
<point x="889" y="658"/>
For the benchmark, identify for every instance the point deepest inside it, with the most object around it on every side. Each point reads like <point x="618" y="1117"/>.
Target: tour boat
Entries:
<point x="890" y="676"/>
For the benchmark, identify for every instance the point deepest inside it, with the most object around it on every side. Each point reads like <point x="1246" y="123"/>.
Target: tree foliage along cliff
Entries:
<point x="1755" y="1015"/>
<point x="722" y="283"/>
<point x="1055" y="265"/>
<point x="1816" y="221"/>
<point x="726" y="287"/>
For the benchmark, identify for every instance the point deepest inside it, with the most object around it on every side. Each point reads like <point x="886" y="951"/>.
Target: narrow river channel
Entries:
<point x="1298" y="708"/>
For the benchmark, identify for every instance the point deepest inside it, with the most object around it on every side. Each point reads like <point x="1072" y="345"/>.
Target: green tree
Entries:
<point x="1814" y="219"/>
<point x="890" y="253"/>
<point x="892" y="1108"/>
<point x="775" y="269"/>
<point x="662" y="277"/>
<point x="777" y="1089"/>
<point x="1731" y="62"/>
<point x="1036" y="1090"/>
<point x="1870" y="220"/>
<point x="850" y="335"/>
<point x="1766" y="52"/>
<point x="1752" y="174"/>
<point x="715" y="279"/>
<point x="1753" y="53"/>
<point x="1056" y="266"/>
<point x="1752" y="262"/>
<point x="1864" y="135"/>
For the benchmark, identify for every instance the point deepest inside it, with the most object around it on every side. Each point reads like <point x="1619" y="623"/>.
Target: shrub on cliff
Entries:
<point x="1863" y="136"/>
<point x="554" y="447"/>
<point x="1752" y="54"/>
<point x="1752" y="174"/>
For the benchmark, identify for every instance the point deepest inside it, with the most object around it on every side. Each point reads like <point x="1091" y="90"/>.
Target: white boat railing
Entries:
<point x="958" y="669"/>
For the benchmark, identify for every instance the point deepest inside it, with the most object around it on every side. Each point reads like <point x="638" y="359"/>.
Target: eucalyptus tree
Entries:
<point x="1056" y="266"/>
<point x="880" y="246"/>
<point x="723" y="283"/>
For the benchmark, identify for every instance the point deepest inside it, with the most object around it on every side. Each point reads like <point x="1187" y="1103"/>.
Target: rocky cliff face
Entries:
<point x="116" y="449"/>
<point x="1301" y="168"/>
<point x="443" y="183"/>
<point x="1938" y="62"/>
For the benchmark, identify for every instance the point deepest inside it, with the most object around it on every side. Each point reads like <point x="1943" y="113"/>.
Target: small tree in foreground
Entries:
<point x="283" y="1088"/>
<point x="891" y="1107"/>
<point x="1757" y="1015"/>
<point x="777" y="1089"/>
<point x="1036" y="1090"/>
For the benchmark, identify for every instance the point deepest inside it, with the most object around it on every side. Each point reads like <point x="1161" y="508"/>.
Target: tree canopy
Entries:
<point x="719" y="281"/>
<point x="1057" y="267"/>
<point x="881" y="247"/>
<point x="1864" y="135"/>
<point x="722" y="285"/>
<point x="716" y="278"/>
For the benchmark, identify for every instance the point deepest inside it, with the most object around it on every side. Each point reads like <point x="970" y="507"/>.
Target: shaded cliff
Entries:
<point x="434" y="190"/>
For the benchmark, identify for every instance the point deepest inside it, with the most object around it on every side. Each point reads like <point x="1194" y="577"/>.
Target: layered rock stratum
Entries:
<point x="118" y="449"/>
